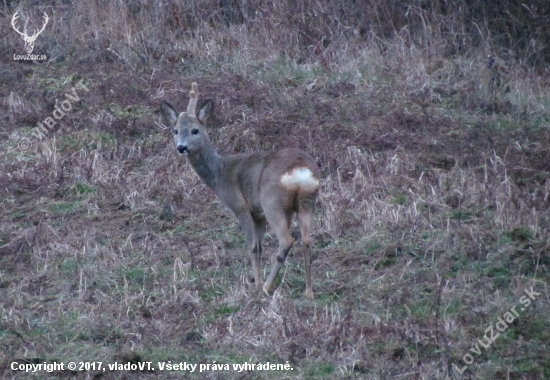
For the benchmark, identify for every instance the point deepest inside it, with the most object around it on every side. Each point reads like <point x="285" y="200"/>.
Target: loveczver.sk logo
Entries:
<point x="29" y="39"/>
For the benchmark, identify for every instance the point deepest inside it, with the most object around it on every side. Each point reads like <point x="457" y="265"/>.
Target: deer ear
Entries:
<point x="205" y="111"/>
<point x="169" y="113"/>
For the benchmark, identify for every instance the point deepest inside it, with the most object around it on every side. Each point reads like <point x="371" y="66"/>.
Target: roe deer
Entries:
<point x="258" y="187"/>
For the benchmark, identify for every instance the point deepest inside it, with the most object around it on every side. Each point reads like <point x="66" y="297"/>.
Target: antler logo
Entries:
<point x="29" y="40"/>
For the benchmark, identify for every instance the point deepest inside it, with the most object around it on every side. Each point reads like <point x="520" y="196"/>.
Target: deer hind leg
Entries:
<point x="280" y="224"/>
<point x="304" y="218"/>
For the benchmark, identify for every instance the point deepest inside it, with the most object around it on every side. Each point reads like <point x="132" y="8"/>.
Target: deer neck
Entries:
<point x="208" y="164"/>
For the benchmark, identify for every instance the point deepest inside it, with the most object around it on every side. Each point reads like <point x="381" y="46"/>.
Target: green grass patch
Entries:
<point x="106" y="138"/>
<point x="68" y="142"/>
<point x="103" y="242"/>
<point x="388" y="259"/>
<point x="505" y="123"/>
<point x="226" y="310"/>
<point x="422" y="308"/>
<point x="371" y="246"/>
<point x="320" y="371"/>
<point x="454" y="307"/>
<point x="399" y="199"/>
<point x="520" y="234"/>
<point x="68" y="265"/>
<point x="210" y="293"/>
<point x="81" y="189"/>
<point x="63" y="207"/>
<point x="286" y="72"/>
<point x="135" y="275"/>
<point x="463" y="216"/>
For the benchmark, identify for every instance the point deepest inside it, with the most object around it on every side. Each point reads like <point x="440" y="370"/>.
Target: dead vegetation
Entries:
<point x="431" y="222"/>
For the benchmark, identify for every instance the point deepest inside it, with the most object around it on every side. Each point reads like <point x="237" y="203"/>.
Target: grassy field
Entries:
<point x="431" y="126"/>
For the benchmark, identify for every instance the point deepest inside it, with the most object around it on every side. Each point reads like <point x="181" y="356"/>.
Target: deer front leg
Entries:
<point x="256" y="253"/>
<point x="253" y="242"/>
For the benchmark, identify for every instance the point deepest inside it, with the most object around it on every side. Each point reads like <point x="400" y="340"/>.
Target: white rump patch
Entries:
<point x="300" y="178"/>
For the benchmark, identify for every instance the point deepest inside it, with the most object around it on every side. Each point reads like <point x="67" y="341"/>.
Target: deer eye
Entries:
<point x="175" y="131"/>
<point x="195" y="131"/>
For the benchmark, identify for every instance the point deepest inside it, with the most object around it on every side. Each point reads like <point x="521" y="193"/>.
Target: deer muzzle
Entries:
<point x="182" y="149"/>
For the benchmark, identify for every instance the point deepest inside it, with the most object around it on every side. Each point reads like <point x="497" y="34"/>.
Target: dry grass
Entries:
<point x="432" y="219"/>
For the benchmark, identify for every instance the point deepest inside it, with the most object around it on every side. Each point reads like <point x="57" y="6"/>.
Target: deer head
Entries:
<point x="29" y="40"/>
<point x="189" y="127"/>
